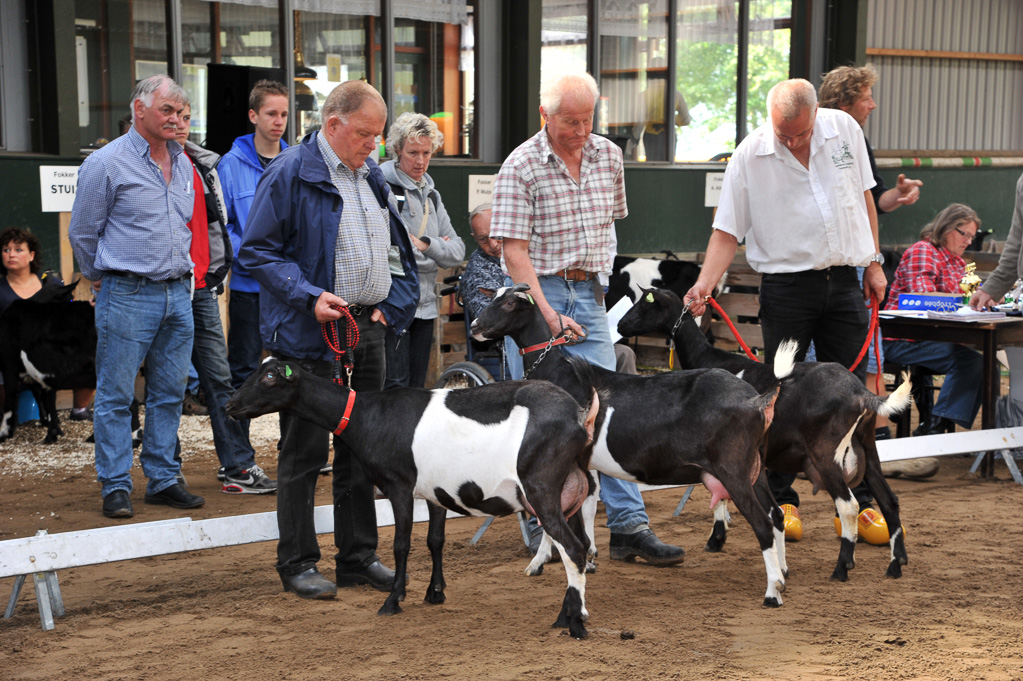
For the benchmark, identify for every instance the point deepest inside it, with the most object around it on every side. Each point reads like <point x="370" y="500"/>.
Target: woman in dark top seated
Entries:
<point x="20" y="280"/>
<point x="935" y="264"/>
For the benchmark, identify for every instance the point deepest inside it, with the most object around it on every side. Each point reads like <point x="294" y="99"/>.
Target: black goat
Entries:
<point x="824" y="419"/>
<point x="492" y="450"/>
<point x="680" y="428"/>
<point x="49" y="346"/>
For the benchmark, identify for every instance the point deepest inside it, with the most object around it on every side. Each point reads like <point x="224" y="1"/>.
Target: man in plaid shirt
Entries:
<point x="555" y="202"/>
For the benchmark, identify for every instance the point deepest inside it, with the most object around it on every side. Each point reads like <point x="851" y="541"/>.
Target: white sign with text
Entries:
<point x="57" y="188"/>
<point x="712" y="190"/>
<point x="481" y="190"/>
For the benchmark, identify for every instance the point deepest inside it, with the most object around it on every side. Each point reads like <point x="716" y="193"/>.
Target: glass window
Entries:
<point x="118" y="42"/>
<point x="332" y="51"/>
<point x="435" y="69"/>
<point x="633" y="76"/>
<point x="564" y="29"/>
<point x="707" y="57"/>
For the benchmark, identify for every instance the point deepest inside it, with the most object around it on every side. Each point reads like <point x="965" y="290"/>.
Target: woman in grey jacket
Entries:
<point x="412" y="140"/>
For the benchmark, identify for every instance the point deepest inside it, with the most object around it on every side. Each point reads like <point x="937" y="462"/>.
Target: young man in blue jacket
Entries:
<point x="325" y="231"/>
<point x="240" y="170"/>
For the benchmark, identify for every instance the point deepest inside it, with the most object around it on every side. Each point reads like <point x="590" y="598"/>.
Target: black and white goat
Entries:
<point x="824" y="420"/>
<point x="47" y="346"/>
<point x="492" y="450"/>
<point x="680" y="428"/>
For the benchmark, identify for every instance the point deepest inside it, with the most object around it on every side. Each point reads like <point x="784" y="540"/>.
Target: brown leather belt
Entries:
<point x="577" y="275"/>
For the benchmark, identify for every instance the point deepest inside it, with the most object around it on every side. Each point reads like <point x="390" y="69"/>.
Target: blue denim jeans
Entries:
<point x="140" y="320"/>
<point x="962" y="391"/>
<point x="622" y="500"/>
<point x="244" y="342"/>
<point x="209" y="355"/>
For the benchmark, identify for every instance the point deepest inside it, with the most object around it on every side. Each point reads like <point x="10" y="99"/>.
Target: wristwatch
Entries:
<point x="878" y="258"/>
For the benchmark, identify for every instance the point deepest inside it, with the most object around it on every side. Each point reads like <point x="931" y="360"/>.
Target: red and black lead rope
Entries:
<point x="871" y="335"/>
<point x="343" y="356"/>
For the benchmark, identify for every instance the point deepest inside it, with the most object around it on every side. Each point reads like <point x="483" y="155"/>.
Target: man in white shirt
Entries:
<point x="797" y="190"/>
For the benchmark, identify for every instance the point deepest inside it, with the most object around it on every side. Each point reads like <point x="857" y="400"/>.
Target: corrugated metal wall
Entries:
<point x="929" y="104"/>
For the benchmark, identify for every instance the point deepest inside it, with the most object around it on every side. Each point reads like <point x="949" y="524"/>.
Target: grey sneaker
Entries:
<point x="250" y="481"/>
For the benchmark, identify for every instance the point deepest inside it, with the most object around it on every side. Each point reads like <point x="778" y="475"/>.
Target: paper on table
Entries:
<point x="615" y="314"/>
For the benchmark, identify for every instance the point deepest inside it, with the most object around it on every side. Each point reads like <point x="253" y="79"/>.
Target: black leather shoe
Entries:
<point x="377" y="575"/>
<point x="535" y="537"/>
<point x="309" y="584"/>
<point x="175" y="496"/>
<point x="117" y="504"/>
<point x="645" y="544"/>
<point x="936" y="425"/>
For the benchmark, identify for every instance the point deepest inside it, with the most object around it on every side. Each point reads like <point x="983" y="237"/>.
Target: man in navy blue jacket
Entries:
<point x="325" y="231"/>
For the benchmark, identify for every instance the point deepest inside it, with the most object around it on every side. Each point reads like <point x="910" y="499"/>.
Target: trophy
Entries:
<point x="969" y="282"/>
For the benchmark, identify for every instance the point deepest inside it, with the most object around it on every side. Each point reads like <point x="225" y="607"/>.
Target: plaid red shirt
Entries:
<point x="568" y="224"/>
<point x="926" y="268"/>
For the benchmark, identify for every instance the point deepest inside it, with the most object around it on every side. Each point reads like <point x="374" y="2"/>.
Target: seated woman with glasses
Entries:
<point x="935" y="264"/>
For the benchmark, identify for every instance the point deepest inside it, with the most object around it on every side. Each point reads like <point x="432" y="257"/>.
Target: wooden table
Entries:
<point x="987" y="336"/>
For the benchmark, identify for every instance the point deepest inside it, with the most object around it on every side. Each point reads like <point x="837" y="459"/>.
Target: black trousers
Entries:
<point x="304" y="451"/>
<point x="825" y="306"/>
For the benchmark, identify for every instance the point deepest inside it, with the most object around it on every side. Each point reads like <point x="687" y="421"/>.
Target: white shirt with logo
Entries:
<point x="794" y="218"/>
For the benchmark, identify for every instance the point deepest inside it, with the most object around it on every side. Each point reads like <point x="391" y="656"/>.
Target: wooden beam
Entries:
<point x="942" y="54"/>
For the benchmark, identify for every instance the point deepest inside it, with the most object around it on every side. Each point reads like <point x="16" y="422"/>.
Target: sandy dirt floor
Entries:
<point x="221" y="614"/>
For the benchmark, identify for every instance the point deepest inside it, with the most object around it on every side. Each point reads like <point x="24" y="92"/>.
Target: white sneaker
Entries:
<point x="250" y="481"/>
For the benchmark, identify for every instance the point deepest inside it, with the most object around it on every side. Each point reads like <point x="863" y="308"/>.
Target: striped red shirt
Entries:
<point x="926" y="268"/>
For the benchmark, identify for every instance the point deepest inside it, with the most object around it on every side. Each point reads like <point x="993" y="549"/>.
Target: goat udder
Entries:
<point x="714" y="486"/>
<point x="573" y="494"/>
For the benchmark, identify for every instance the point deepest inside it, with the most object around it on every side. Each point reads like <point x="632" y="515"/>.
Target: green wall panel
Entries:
<point x="21" y="204"/>
<point x="666" y="210"/>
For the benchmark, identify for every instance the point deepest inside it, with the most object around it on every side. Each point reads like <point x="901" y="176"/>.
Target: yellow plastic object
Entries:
<point x="793" y="524"/>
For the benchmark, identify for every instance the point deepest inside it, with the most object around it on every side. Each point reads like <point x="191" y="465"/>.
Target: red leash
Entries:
<point x="735" y="331"/>
<point x="871" y="335"/>
<point x="342" y="355"/>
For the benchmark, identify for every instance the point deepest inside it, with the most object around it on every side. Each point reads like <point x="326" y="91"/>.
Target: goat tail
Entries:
<point x="588" y="412"/>
<point x="764" y="403"/>
<point x="898" y="400"/>
<point x="785" y="358"/>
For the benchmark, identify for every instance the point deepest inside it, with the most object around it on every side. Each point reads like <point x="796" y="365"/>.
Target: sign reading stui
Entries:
<point x="57" y="188"/>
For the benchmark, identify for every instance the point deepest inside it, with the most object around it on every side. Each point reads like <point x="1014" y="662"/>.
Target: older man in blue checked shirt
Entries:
<point x="130" y="236"/>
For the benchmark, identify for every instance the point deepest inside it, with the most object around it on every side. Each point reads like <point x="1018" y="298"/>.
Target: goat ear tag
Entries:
<point x="649" y="297"/>
<point x="530" y="299"/>
<point x="287" y="371"/>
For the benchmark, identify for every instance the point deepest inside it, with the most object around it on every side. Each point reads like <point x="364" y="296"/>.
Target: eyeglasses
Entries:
<point x="968" y="237"/>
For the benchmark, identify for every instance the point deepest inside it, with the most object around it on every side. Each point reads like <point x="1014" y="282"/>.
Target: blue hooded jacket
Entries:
<point x="288" y="247"/>
<point x="239" y="172"/>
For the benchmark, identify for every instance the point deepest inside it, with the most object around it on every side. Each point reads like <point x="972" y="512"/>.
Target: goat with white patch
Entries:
<point x="823" y="426"/>
<point x="492" y="450"/>
<point x="48" y="346"/>
<point x="703" y="426"/>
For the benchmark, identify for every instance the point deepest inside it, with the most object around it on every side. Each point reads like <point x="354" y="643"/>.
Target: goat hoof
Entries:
<point x="772" y="602"/>
<point x="591" y="567"/>
<point x="894" y="570"/>
<point x="714" y="545"/>
<point x="434" y="597"/>
<point x="577" y="631"/>
<point x="389" y="608"/>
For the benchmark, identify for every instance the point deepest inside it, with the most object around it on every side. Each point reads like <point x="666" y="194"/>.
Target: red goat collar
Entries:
<point x="343" y="423"/>
<point x="546" y="344"/>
